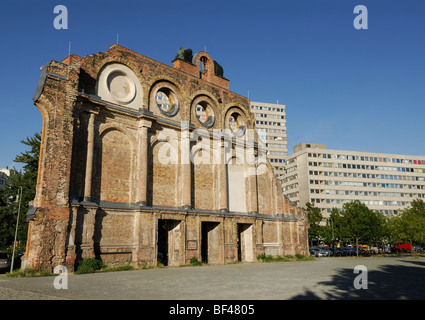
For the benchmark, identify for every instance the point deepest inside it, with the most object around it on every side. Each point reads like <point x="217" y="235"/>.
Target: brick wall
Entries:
<point x="103" y="184"/>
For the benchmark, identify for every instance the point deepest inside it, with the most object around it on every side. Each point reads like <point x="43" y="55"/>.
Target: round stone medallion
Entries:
<point x="121" y="87"/>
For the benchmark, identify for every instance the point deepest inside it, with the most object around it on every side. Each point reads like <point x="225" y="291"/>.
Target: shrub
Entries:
<point x="195" y="262"/>
<point x="89" y="265"/>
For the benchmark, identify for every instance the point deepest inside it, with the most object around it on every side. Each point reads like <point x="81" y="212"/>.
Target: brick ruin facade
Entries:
<point x="142" y="162"/>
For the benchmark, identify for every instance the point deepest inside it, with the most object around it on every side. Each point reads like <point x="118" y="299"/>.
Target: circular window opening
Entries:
<point x="237" y="124"/>
<point x="167" y="102"/>
<point x="205" y="114"/>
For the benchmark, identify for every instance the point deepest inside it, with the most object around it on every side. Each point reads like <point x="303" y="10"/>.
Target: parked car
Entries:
<point x="315" y="251"/>
<point x="351" y="251"/>
<point x="329" y="252"/>
<point x="347" y="252"/>
<point x="319" y="252"/>
<point x="5" y="261"/>
<point x="337" y="252"/>
<point x="366" y="252"/>
<point x="405" y="247"/>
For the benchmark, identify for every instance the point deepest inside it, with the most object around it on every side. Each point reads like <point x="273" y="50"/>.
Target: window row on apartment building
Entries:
<point x="266" y="107"/>
<point x="364" y="167"/>
<point x="351" y="192"/>
<point x="269" y="116"/>
<point x="270" y="123"/>
<point x="366" y="158"/>
<point x="368" y="184"/>
<point x="335" y="203"/>
<point x="367" y="175"/>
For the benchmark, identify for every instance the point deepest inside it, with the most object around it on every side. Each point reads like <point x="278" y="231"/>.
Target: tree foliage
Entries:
<point x="9" y="202"/>
<point x="356" y="223"/>
<point x="314" y="218"/>
<point x="410" y="225"/>
<point x="360" y="223"/>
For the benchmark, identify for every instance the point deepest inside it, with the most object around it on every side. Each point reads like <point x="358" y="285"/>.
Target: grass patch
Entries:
<point x="270" y="258"/>
<point x="28" y="273"/>
<point x="300" y="257"/>
<point x="90" y="266"/>
<point x="122" y="267"/>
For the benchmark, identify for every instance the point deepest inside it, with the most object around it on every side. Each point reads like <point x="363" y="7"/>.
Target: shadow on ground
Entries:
<point x="402" y="281"/>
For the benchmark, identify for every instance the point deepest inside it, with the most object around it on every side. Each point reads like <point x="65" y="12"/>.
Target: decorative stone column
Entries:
<point x="222" y="172"/>
<point x="251" y="172"/>
<point x="89" y="159"/>
<point x="252" y="191"/>
<point x="186" y="166"/>
<point x="71" y="254"/>
<point x="142" y="181"/>
<point x="87" y="245"/>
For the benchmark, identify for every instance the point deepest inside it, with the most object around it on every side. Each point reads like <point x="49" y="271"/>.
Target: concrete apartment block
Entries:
<point x="329" y="178"/>
<point x="270" y="121"/>
<point x="4" y="177"/>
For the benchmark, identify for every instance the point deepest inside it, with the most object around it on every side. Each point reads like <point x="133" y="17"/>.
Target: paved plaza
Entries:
<point x="394" y="278"/>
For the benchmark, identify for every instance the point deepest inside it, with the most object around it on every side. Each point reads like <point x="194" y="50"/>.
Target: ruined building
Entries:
<point x="142" y="162"/>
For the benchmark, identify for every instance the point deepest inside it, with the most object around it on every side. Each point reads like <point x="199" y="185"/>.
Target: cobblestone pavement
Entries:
<point x="325" y="278"/>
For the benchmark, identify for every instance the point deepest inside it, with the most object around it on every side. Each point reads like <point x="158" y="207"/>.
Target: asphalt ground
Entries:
<point x="379" y="278"/>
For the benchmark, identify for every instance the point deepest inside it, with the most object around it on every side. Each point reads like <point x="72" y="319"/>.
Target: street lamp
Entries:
<point x="16" y="230"/>
<point x="332" y="224"/>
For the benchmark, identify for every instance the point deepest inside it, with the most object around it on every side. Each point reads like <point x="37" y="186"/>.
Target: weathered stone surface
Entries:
<point x="151" y="184"/>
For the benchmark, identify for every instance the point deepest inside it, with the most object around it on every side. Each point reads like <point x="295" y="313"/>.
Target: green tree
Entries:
<point x="314" y="218"/>
<point x="392" y="229"/>
<point x="375" y="234"/>
<point x="357" y="222"/>
<point x="411" y="223"/>
<point x="335" y="225"/>
<point x="27" y="179"/>
<point x="331" y="231"/>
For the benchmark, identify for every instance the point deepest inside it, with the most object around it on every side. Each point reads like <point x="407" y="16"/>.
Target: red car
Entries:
<point x="405" y="247"/>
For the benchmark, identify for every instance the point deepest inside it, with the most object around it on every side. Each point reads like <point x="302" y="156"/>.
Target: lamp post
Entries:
<point x="332" y="224"/>
<point x="16" y="230"/>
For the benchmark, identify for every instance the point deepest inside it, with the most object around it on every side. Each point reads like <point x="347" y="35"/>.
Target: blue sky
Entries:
<point x="359" y="90"/>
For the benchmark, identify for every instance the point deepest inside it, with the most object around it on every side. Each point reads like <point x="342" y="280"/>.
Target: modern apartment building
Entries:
<point x="4" y="177"/>
<point x="270" y="122"/>
<point x="330" y="178"/>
